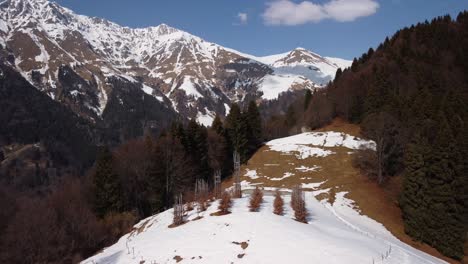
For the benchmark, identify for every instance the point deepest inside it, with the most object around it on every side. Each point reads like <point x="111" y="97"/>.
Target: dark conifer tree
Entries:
<point x="217" y="125"/>
<point x="108" y="195"/>
<point x="290" y="119"/>
<point x="254" y="121"/>
<point x="308" y="93"/>
<point x="237" y="128"/>
<point x="354" y="66"/>
<point x="156" y="181"/>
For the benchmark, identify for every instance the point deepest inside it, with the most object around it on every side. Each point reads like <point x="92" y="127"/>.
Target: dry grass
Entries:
<point x="336" y="172"/>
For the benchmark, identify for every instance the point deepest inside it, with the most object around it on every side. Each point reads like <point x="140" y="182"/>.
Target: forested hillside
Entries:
<point x="66" y="220"/>
<point x="410" y="96"/>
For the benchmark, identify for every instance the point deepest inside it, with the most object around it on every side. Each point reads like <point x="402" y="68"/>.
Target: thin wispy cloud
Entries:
<point x="286" y="12"/>
<point x="243" y="18"/>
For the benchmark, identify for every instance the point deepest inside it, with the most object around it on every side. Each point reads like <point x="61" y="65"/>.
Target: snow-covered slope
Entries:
<point x="195" y="77"/>
<point x="334" y="234"/>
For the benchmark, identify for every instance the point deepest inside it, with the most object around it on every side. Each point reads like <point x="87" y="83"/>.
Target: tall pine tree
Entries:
<point x="237" y="126"/>
<point x="108" y="194"/>
<point x="254" y="128"/>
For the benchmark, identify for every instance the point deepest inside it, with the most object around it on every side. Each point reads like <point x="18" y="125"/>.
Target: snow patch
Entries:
<point x="273" y="85"/>
<point x="285" y="175"/>
<point x="303" y="152"/>
<point x="312" y="185"/>
<point x="227" y="109"/>
<point x="307" y="169"/>
<point x="150" y="91"/>
<point x="323" y="139"/>
<point x="3" y="26"/>
<point x="252" y="174"/>
<point x="206" y="119"/>
<point x="189" y="88"/>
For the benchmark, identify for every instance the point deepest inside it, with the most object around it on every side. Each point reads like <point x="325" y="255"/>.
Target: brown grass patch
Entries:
<point x="177" y="258"/>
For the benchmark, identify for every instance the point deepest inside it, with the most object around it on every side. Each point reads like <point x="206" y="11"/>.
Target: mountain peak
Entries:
<point x="20" y="5"/>
<point x="300" y="49"/>
<point x="164" y="29"/>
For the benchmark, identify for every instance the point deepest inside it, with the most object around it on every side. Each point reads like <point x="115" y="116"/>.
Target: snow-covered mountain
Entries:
<point x="192" y="76"/>
<point x="305" y="63"/>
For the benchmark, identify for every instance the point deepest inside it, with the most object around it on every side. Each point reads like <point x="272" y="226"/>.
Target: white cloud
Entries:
<point x="286" y="12"/>
<point x="243" y="18"/>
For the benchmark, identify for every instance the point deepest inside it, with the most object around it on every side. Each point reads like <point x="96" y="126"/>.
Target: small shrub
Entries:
<point x="225" y="203"/>
<point x="332" y="196"/>
<point x="256" y="200"/>
<point x="278" y="204"/>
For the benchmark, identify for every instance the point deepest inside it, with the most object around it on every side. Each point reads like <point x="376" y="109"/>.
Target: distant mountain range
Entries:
<point x="85" y="63"/>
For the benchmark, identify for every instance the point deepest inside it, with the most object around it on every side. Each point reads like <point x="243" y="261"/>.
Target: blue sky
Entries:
<point x="338" y="28"/>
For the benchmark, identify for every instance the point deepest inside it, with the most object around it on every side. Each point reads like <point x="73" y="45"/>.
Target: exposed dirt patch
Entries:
<point x="177" y="258"/>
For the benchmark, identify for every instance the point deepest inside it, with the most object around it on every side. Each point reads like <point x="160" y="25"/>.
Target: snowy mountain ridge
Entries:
<point x="193" y="76"/>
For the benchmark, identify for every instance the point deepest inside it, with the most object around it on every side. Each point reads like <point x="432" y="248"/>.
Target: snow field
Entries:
<point x="311" y="144"/>
<point x="334" y="234"/>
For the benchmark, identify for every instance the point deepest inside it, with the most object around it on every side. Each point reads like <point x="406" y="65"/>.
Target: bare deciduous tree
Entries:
<point x="383" y="129"/>
<point x="237" y="185"/>
<point x="178" y="211"/>
<point x="201" y="194"/>
<point x="298" y="204"/>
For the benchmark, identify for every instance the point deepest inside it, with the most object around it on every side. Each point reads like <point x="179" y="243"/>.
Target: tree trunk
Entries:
<point x="380" y="160"/>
